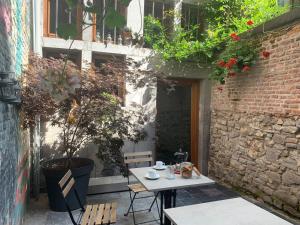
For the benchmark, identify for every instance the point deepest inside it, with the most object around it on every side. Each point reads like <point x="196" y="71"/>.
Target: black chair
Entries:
<point x="96" y="214"/>
<point x="137" y="188"/>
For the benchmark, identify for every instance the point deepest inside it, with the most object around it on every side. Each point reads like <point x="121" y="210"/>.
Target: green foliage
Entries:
<point x="67" y="31"/>
<point x="154" y="33"/>
<point x="223" y="17"/>
<point x="72" y="3"/>
<point x="237" y="58"/>
<point x="114" y="19"/>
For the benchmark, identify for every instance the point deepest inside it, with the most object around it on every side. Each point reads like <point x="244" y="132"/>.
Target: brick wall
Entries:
<point x="14" y="153"/>
<point x="255" y="127"/>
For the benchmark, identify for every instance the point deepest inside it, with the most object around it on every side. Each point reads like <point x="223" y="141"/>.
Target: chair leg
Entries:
<point x="158" y="212"/>
<point x="131" y="203"/>
<point x="155" y="197"/>
<point x="133" y="215"/>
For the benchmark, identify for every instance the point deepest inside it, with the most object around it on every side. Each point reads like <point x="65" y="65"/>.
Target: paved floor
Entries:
<point x="40" y="214"/>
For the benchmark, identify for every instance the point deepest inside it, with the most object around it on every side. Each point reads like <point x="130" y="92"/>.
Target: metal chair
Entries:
<point x="137" y="188"/>
<point x="96" y="214"/>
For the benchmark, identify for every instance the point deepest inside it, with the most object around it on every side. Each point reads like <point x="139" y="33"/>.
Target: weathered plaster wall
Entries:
<point x="255" y="127"/>
<point x="14" y="153"/>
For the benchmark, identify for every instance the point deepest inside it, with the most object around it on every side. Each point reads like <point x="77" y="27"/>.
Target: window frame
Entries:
<point x="46" y="22"/>
<point x="94" y="29"/>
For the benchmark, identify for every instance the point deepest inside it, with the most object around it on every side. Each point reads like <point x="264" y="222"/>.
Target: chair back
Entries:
<point x="66" y="184"/>
<point x="136" y="158"/>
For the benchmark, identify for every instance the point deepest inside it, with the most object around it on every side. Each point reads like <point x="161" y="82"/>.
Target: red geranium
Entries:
<point x="222" y="63"/>
<point x="266" y="54"/>
<point x="246" y="68"/>
<point x="250" y="22"/>
<point x="231" y="62"/>
<point x="235" y="37"/>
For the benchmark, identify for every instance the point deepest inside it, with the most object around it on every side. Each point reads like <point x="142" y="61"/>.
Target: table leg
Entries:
<point x="168" y="204"/>
<point x="161" y="207"/>
<point x="174" y="198"/>
<point x="167" y="200"/>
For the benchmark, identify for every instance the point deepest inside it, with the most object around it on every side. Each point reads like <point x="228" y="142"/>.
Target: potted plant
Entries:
<point x="84" y="105"/>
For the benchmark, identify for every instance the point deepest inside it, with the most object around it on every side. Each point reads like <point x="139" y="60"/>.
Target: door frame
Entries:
<point x="195" y="109"/>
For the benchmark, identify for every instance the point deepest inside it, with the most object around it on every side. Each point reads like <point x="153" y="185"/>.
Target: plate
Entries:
<point x="159" y="168"/>
<point x="152" y="178"/>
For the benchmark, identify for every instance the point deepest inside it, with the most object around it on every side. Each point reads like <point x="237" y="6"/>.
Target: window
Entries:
<point x="56" y="12"/>
<point x="100" y="59"/>
<point x="75" y="55"/>
<point x="101" y="32"/>
<point x="158" y="10"/>
<point x="191" y="16"/>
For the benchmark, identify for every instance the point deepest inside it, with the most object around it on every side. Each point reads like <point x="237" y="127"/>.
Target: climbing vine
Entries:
<point x="220" y="44"/>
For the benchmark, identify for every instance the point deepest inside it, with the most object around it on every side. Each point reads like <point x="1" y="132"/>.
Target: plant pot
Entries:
<point x="55" y="169"/>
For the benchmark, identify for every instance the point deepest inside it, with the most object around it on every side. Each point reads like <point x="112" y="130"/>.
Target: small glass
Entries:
<point x="171" y="172"/>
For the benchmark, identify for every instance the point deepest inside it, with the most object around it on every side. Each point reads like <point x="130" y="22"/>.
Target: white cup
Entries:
<point x="159" y="164"/>
<point x="152" y="173"/>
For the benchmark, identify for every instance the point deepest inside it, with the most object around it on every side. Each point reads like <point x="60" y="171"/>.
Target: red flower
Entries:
<point x="231" y="74"/>
<point x="266" y="54"/>
<point x="246" y="68"/>
<point x="222" y="63"/>
<point x="235" y="37"/>
<point x="250" y="22"/>
<point x="231" y="62"/>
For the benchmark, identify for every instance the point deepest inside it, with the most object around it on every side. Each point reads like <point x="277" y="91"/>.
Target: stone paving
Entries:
<point x="39" y="213"/>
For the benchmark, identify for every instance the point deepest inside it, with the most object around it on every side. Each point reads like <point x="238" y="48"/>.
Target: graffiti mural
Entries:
<point x="14" y="151"/>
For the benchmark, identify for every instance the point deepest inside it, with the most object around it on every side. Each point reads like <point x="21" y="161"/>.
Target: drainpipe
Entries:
<point x="35" y="134"/>
<point x="36" y="27"/>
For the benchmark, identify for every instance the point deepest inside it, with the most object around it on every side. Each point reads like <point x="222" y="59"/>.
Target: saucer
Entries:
<point x="159" y="168"/>
<point x="152" y="178"/>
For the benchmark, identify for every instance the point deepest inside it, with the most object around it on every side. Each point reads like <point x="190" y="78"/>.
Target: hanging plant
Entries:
<point x="238" y="58"/>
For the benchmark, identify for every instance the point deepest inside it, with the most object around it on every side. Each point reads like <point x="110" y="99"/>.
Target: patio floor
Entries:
<point x="40" y="214"/>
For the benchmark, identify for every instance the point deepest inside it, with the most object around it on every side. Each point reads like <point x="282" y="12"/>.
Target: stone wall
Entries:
<point x="14" y="159"/>
<point x="255" y="127"/>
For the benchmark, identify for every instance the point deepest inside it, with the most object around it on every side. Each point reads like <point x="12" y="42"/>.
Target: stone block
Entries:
<point x="279" y="147"/>
<point x="292" y="210"/>
<point x="279" y="139"/>
<point x="290" y="178"/>
<point x="272" y="155"/>
<point x="274" y="177"/>
<point x="298" y="123"/>
<point x="280" y="122"/>
<point x="289" y="122"/>
<point x="291" y="145"/>
<point x="290" y="163"/>
<point x="277" y="203"/>
<point x="291" y="140"/>
<point x="286" y="197"/>
<point x="290" y="129"/>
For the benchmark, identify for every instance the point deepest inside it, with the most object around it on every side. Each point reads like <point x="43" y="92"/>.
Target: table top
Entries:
<point x="235" y="211"/>
<point x="165" y="184"/>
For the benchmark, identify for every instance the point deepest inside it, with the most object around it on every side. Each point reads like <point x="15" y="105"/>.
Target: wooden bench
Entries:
<point x="95" y="214"/>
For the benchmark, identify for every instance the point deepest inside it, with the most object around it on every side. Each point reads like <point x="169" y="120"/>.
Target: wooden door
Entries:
<point x="195" y="96"/>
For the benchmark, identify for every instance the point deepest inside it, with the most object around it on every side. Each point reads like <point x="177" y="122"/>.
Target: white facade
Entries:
<point x="86" y="48"/>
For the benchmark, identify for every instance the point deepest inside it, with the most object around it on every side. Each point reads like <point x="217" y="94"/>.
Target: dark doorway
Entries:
<point x="177" y="119"/>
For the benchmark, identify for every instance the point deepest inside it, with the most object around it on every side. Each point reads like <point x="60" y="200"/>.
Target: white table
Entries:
<point x="235" y="211"/>
<point x="166" y="187"/>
